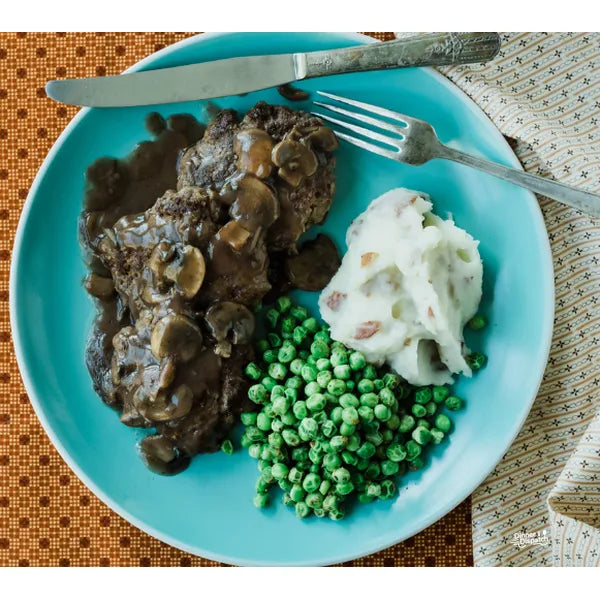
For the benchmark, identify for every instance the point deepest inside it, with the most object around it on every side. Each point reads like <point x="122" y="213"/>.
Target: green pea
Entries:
<point x="252" y="371"/>
<point x="277" y="371"/>
<point x="357" y="361"/>
<point x="350" y="385"/>
<point x="268" y="411"/>
<point x="286" y="354"/>
<point x="373" y="490"/>
<point x="332" y="461"/>
<point x="263" y="422"/>
<point x="440" y="393"/>
<point x="296" y="366"/>
<point x="370" y="372"/>
<point x="374" y="437"/>
<point x="297" y="493"/>
<point x="353" y="443"/>
<point x="443" y="423"/>
<point x="261" y="500"/>
<point x="369" y="399"/>
<point x="267" y="453"/>
<point x="288" y="419"/>
<point x="431" y="408"/>
<point x="343" y="489"/>
<point x="275" y="440"/>
<point x="337" y="387"/>
<point x="310" y="325"/>
<point x="285" y="485"/>
<point x="407" y="423"/>
<point x="386" y="397"/>
<point x="419" y="410"/>
<point x="362" y="464"/>
<point x="349" y="458"/>
<point x="342" y="372"/>
<point x="339" y="357"/>
<point x="350" y="416"/>
<point x="388" y="489"/>
<point x="453" y="403"/>
<point x="290" y="437"/>
<point x="372" y="471"/>
<point x="416" y="464"/>
<point x="366" y="414"/>
<point x="337" y="415"/>
<point x="270" y="356"/>
<point x="324" y="377"/>
<point x="347" y="400"/>
<point x="413" y="449"/>
<point x="323" y="364"/>
<point x="338" y="442"/>
<point x="248" y="418"/>
<point x="254" y="450"/>
<point x="382" y="412"/>
<point x="389" y="468"/>
<point x="328" y="428"/>
<point x="423" y="395"/>
<point x="477" y="322"/>
<point x="280" y="471"/>
<point x="421" y="435"/>
<point x="283" y="304"/>
<point x="476" y="360"/>
<point x="263" y="465"/>
<point x="245" y="441"/>
<point x="316" y="402"/>
<point x="364" y="498"/>
<point x="437" y="436"/>
<point x="287" y="500"/>
<point x="308" y="428"/>
<point x="272" y="316"/>
<point x="346" y="429"/>
<point x="395" y="452"/>
<point x="311" y="482"/>
<point x="299" y="334"/>
<point x="269" y="383"/>
<point x="387" y="435"/>
<point x="254" y="434"/>
<point x="309" y="373"/>
<point x="379" y="385"/>
<point x="391" y="381"/>
<point x="281" y="404"/>
<point x="366" y="450"/>
<point x="257" y="393"/>
<point x="314" y="500"/>
<point x="274" y="340"/>
<point x="319" y="349"/>
<point x="323" y="336"/>
<point x="288" y="324"/>
<point x="393" y="422"/>
<point x="298" y="312"/>
<point x="341" y="475"/>
<point x="365" y="386"/>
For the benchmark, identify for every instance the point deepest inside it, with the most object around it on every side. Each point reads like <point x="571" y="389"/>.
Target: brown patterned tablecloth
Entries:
<point x="47" y="516"/>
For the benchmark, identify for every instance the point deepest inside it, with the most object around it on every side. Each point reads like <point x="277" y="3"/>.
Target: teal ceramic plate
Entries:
<point x="208" y="510"/>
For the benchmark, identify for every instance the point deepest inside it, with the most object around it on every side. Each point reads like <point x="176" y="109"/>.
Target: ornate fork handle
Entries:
<point x="580" y="199"/>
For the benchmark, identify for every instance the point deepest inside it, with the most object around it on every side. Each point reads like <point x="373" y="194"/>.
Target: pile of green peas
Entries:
<point x="328" y="425"/>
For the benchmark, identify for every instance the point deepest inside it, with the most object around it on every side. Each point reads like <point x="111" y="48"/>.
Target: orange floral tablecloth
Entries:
<point x="47" y="516"/>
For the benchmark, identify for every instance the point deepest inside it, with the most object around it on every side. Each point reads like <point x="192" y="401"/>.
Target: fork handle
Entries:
<point x="585" y="201"/>
<point x="433" y="49"/>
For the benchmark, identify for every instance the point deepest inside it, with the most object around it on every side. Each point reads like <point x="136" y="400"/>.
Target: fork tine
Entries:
<point x="368" y="133"/>
<point x="366" y="146"/>
<point x="364" y="118"/>
<point x="384" y="112"/>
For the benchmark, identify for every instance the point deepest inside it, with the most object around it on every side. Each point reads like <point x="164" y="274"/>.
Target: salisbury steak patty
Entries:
<point x="290" y="151"/>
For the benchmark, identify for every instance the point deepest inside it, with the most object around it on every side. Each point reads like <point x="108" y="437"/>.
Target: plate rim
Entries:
<point x="28" y="379"/>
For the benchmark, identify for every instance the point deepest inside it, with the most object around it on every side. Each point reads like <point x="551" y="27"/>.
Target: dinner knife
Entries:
<point x="233" y="76"/>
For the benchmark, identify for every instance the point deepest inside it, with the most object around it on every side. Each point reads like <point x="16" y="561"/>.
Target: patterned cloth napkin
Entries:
<point x="541" y="504"/>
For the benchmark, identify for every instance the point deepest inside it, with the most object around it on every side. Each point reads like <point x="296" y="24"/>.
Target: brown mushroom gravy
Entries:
<point x="183" y="239"/>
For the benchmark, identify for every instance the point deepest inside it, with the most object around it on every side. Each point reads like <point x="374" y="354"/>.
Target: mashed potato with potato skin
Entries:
<point x="406" y="287"/>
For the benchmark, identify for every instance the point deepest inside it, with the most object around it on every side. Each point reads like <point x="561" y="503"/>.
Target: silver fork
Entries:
<point x="415" y="142"/>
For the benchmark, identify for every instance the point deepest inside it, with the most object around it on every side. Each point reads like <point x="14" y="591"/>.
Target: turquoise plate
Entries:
<point x="208" y="510"/>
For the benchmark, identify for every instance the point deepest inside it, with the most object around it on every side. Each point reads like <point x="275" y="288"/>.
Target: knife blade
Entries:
<point x="231" y="76"/>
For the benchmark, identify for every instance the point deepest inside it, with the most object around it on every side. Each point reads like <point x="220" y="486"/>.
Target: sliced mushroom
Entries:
<point x="294" y="94"/>
<point x="162" y="456"/>
<point x="295" y="161"/>
<point x="187" y="271"/>
<point x="229" y="322"/>
<point x="253" y="148"/>
<point x="160" y="257"/>
<point x="234" y="234"/>
<point x="166" y="374"/>
<point x="166" y="407"/>
<point x="255" y="204"/>
<point x="323" y="138"/>
<point x="176" y="335"/>
<point x="100" y="287"/>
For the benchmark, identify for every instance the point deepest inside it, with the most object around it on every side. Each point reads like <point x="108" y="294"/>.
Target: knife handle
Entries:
<point x="433" y="49"/>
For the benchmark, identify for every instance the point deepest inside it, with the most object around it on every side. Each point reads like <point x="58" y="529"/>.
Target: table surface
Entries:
<point x="47" y="516"/>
